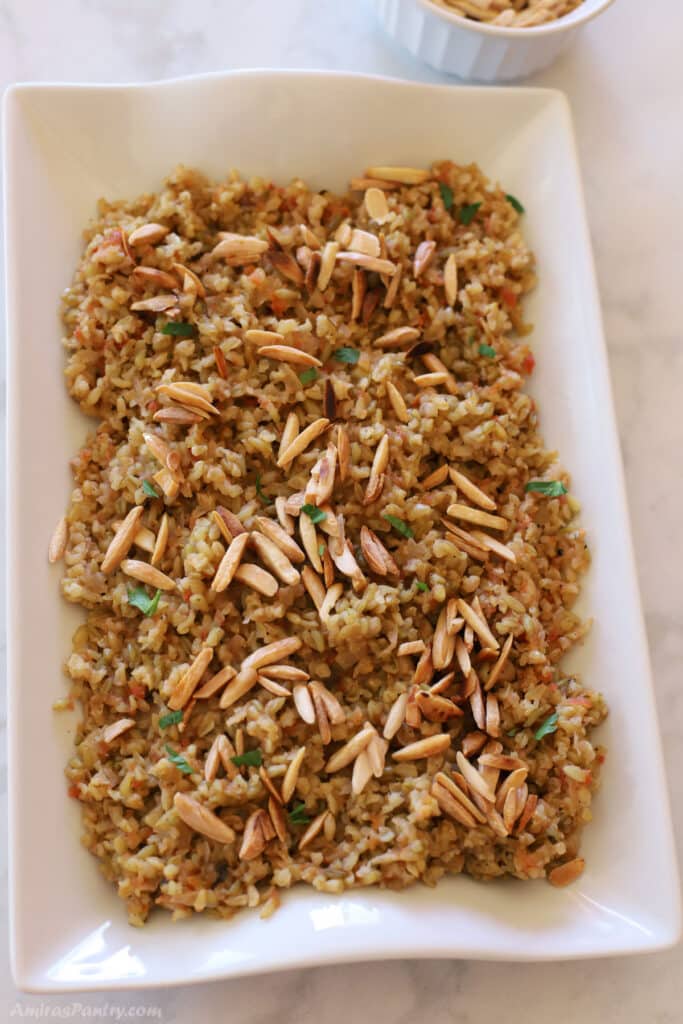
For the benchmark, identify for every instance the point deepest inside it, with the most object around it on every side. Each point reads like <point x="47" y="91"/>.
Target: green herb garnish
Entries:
<point x="179" y="329"/>
<point x="551" y="488"/>
<point x="250" y="757"/>
<point x="321" y="550"/>
<point x="515" y="203"/>
<point x="467" y="213"/>
<point x="149" y="489"/>
<point x="315" y="514"/>
<point x="298" y="816"/>
<point x="178" y="760"/>
<point x="486" y="350"/>
<point x="308" y="376"/>
<point x="548" y="727"/>
<point x="512" y="732"/>
<point x="446" y="194"/>
<point x="398" y="525"/>
<point x="421" y="586"/>
<point x="140" y="599"/>
<point x="172" y="718"/>
<point x="346" y="355"/>
<point x="259" y="490"/>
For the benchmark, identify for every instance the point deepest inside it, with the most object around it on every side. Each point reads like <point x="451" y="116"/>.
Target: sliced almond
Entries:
<point x="473" y="515"/>
<point x="189" y="280"/>
<point x="515" y="778"/>
<point x="329" y="601"/>
<point x="344" y="559"/>
<point x="147" y="574"/>
<point x="396" y="716"/>
<point x="392" y="290"/>
<point x="364" y="241"/>
<point x="290" y="673"/>
<point x="492" y="716"/>
<point x="376" y="752"/>
<point x="376" y="204"/>
<point x="289" y="433"/>
<point x="343" y="452"/>
<point x="429" y="747"/>
<point x="411" y="647"/>
<point x="443" y="643"/>
<point x="314" y="585"/>
<point x="292" y="774"/>
<point x="436" y="708"/>
<point x="115" y="729"/>
<point x="494" y="674"/>
<point x="286" y="265"/>
<point x="303" y="440"/>
<point x="229" y="563"/>
<point x="503" y="762"/>
<point x="238" y="250"/>
<point x="361" y="184"/>
<point x="402" y="175"/>
<point x="350" y="750"/>
<point x="257" y="579"/>
<point x="286" y="521"/>
<point x="454" y="622"/>
<point x="279" y="536"/>
<point x="309" y="540"/>
<point x="201" y="819"/>
<point x="178" y="415"/>
<point x="288" y="354"/>
<point x="335" y="712"/>
<point x="309" y="237"/>
<point x="254" y="837"/>
<point x="473" y="742"/>
<point x="494" y="545"/>
<point x="155" y="304"/>
<point x="122" y="540"/>
<point x="431" y="380"/>
<point x="361" y="259"/>
<point x="327" y="263"/>
<point x="424" y="256"/>
<point x="148" y="234"/>
<point x="567" y="873"/>
<point x="187" y="683"/>
<point x="397" y="402"/>
<point x="476" y="697"/>
<point x="376" y="555"/>
<point x="275" y="559"/>
<point x="304" y="703"/>
<point x="154" y="276"/>
<point x="478" y="624"/>
<point x="434" y="365"/>
<point x="167" y="482"/>
<point x="413" y="716"/>
<point x="450" y="280"/>
<point x="462" y="656"/>
<point x="397" y="338"/>
<point x="321" y="483"/>
<point x="358" y="289"/>
<point x="459" y="796"/>
<point x="215" y="683"/>
<point x="228" y="523"/>
<point x="238" y="687"/>
<point x="528" y="812"/>
<point x="450" y="806"/>
<point x="435" y="478"/>
<point x="361" y="774"/>
<point x="441" y="685"/>
<point x="474" y="779"/>
<point x="313" y="830"/>
<point x="58" y="541"/>
<point x="471" y="491"/>
<point x="424" y="670"/>
<point x="182" y="392"/>
<point x="256" y="336"/>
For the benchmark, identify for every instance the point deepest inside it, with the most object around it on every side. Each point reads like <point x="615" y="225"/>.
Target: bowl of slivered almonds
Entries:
<point x="487" y="40"/>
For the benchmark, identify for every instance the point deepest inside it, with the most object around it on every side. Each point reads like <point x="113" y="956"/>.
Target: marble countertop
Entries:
<point x="624" y="80"/>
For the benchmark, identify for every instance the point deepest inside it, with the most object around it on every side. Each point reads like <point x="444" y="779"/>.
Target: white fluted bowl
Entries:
<point x="475" y="50"/>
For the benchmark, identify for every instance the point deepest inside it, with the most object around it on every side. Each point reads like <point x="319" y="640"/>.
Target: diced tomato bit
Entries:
<point x="584" y="702"/>
<point x="249" y="269"/>
<point x="204" y="633"/>
<point x="601" y="758"/>
<point x="138" y="690"/>
<point x="278" y="305"/>
<point x="528" y="364"/>
<point x="73" y="792"/>
<point x="153" y="405"/>
<point x="187" y="595"/>
<point x="508" y="297"/>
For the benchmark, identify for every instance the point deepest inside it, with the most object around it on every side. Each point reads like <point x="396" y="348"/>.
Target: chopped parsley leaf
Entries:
<point x="298" y="816"/>
<point x="139" y="598"/>
<point x="315" y="514"/>
<point x="149" y="489"/>
<point x="259" y="490"/>
<point x="515" y="203"/>
<point x="487" y="350"/>
<point x="172" y="718"/>
<point x="421" y="586"/>
<point x="308" y="376"/>
<point x="179" y="329"/>
<point x="250" y="757"/>
<point x="446" y="194"/>
<point x="399" y="525"/>
<point x="548" y="727"/>
<point x="178" y="760"/>
<point x="346" y="355"/>
<point x="551" y="488"/>
<point x="468" y="213"/>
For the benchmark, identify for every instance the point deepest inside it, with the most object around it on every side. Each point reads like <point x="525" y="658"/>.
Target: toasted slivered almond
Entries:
<point x="492" y="715"/>
<point x="155" y="304"/>
<point x="350" y="750"/>
<point x="321" y="717"/>
<point x="504" y="762"/>
<point x="376" y="204"/>
<point x="468" y="637"/>
<point x="478" y="624"/>
<point x="268" y="783"/>
<point x="474" y="515"/>
<point x="161" y="541"/>
<point x="512" y="808"/>
<point x="176" y="414"/>
<point x="495" y="672"/>
<point x="238" y="687"/>
<point x="429" y="747"/>
<point x="473" y="742"/>
<point x="494" y="545"/>
<point x="189" y="280"/>
<point x="462" y="656"/>
<point x="153" y="275"/>
<point x="313" y="830"/>
<point x="459" y="794"/>
<point x="294" y="768"/>
<point x="321" y="484"/>
<point x="411" y="647"/>
<point x="364" y="241"/>
<point x="274" y="532"/>
<point x="454" y="622"/>
<point x="147" y="234"/>
<point x="329" y="401"/>
<point x="257" y="579"/>
<point x="396" y="716"/>
<point x="303" y="440"/>
<point x="274" y="558"/>
<point x="278" y="821"/>
<point x="271" y="654"/>
<point x="413" y="715"/>
<point x="436" y="708"/>
<point x="229" y="563"/>
<point x="255" y="336"/>
<point x="441" y="685"/>
<point x="286" y="265"/>
<point x="450" y="806"/>
<point x="376" y="752"/>
<point x="361" y="259"/>
<point x="290" y="431"/>
<point x="146" y="573"/>
<point x="376" y="555"/>
<point x="528" y="812"/>
<point x="435" y="365"/>
<point x="514" y="779"/>
<point x="443" y="643"/>
<point x="329" y="601"/>
<point x="228" y="523"/>
<point x="188" y="682"/>
<point x="450" y="280"/>
<point x="167" y="482"/>
<point x="392" y="290"/>
<point x="361" y="184"/>
<point x="238" y="250"/>
<point x="343" y="234"/>
<point x="309" y="237"/>
<point x="402" y="175"/>
<point x="58" y="541"/>
<point x="272" y="687"/>
<point x="397" y="337"/>
<point x="343" y="452"/>
<point x="476" y="697"/>
<point x="361" y="774"/>
<point x="289" y="673"/>
<point x="327" y="263"/>
<point x="144" y="539"/>
<point x="333" y="708"/>
<point x="201" y="819"/>
<point x="397" y="402"/>
<point x="116" y="729"/>
<point x="122" y="540"/>
<point x="474" y="779"/>
<point x="213" y="761"/>
<point x="309" y="540"/>
<point x="328" y="568"/>
<point x="304" y="703"/>
<point x="424" y="670"/>
<point x="239" y="741"/>
<point x="424" y="255"/>
<point x="430" y="380"/>
<point x="345" y="561"/>
<point x="182" y="392"/>
<point x="256" y="834"/>
<point x="215" y="683"/>
<point x="435" y="478"/>
<point x="381" y="457"/>
<point x="471" y="491"/>
<point x="286" y="521"/>
<point x="358" y="289"/>
<point x="567" y="873"/>
<point x="473" y="550"/>
<point x="464" y="536"/>
<point x="158" y="447"/>
<point x="288" y="354"/>
<point x="314" y="585"/>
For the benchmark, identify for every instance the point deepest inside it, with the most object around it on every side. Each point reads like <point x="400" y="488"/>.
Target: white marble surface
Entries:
<point x="625" y="82"/>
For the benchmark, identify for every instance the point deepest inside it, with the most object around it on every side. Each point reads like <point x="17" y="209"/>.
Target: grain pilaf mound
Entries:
<point x="327" y="563"/>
